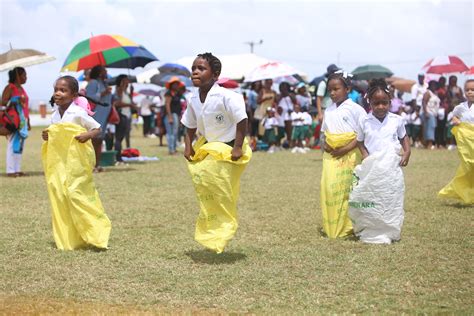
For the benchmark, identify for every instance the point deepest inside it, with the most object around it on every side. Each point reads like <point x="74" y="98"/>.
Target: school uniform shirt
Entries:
<point x="216" y="119"/>
<point x="280" y="120"/>
<point x="297" y="119"/>
<point x="76" y="115"/>
<point x="344" y="118"/>
<point x="270" y="122"/>
<point x="414" y="119"/>
<point x="303" y="101"/>
<point x="287" y="105"/>
<point x="376" y="134"/>
<point x="308" y="120"/>
<point x="464" y="112"/>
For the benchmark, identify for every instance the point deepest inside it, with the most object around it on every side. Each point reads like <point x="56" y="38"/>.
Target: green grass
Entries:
<point x="277" y="263"/>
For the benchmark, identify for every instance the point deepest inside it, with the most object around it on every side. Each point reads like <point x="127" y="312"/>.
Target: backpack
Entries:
<point x="10" y="118"/>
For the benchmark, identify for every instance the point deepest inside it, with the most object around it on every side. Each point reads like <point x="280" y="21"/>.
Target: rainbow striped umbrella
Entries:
<point x="111" y="51"/>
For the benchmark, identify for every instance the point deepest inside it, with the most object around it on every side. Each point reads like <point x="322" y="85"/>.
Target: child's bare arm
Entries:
<point x="188" y="143"/>
<point x="406" y="151"/>
<point x="341" y="151"/>
<point x="241" y="131"/>
<point x="363" y="150"/>
<point x="44" y="134"/>
<point x="84" y="137"/>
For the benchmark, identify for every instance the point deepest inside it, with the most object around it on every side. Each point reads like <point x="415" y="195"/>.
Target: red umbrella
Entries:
<point x="445" y="65"/>
<point x="228" y="83"/>
<point x="470" y="71"/>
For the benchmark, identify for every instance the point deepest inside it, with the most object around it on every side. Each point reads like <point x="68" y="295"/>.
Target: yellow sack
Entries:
<point x="77" y="212"/>
<point x="462" y="186"/>
<point x="216" y="179"/>
<point x="336" y="182"/>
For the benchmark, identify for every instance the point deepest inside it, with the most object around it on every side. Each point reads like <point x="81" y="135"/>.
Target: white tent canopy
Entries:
<point x="233" y="66"/>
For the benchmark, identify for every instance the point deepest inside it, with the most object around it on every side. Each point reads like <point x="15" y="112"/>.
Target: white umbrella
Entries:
<point x="272" y="70"/>
<point x="22" y="58"/>
<point x="233" y="66"/>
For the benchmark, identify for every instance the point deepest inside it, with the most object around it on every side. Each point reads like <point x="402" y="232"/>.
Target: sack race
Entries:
<point x="376" y="200"/>
<point x="77" y="213"/>
<point x="462" y="186"/>
<point x="336" y="180"/>
<point x="216" y="180"/>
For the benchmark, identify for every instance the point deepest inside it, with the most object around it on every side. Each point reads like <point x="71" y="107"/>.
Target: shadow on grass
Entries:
<point x="459" y="205"/>
<point x="107" y="170"/>
<point x="209" y="257"/>
<point x="85" y="248"/>
<point x="27" y="175"/>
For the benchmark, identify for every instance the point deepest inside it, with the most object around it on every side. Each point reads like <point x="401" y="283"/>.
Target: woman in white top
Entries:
<point x="430" y="104"/>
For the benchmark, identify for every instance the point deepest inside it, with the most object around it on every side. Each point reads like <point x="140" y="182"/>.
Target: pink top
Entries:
<point x="16" y="93"/>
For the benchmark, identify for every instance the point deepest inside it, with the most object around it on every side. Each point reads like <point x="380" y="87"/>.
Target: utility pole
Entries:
<point x="252" y="44"/>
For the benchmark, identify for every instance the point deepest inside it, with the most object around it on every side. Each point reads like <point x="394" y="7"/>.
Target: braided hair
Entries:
<point x="344" y="77"/>
<point x="71" y="83"/>
<point x="377" y="85"/>
<point x="213" y="61"/>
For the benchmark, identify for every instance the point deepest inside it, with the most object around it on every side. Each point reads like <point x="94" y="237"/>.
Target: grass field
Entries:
<point x="277" y="263"/>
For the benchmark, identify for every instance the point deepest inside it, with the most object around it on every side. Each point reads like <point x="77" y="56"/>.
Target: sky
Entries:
<point x="308" y="35"/>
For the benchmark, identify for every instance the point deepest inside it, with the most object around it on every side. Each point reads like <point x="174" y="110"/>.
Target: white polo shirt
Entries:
<point x="287" y="105"/>
<point x="417" y="93"/>
<point x="308" y="120"/>
<point x="270" y="122"/>
<point x="216" y="119"/>
<point x="376" y="134"/>
<point x="464" y="112"/>
<point x="344" y="118"/>
<point x="297" y="119"/>
<point x="76" y="115"/>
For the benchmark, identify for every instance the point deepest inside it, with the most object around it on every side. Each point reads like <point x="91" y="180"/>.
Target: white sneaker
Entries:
<point x="271" y="150"/>
<point x="307" y="149"/>
<point x="451" y="147"/>
<point x="301" y="150"/>
<point x="294" y="150"/>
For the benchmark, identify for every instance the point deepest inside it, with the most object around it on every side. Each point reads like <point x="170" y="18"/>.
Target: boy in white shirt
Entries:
<point x="270" y="123"/>
<point x="298" y="132"/>
<point x="219" y="157"/>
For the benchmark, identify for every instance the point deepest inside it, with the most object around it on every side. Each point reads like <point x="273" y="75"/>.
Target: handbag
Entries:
<point x="114" y="117"/>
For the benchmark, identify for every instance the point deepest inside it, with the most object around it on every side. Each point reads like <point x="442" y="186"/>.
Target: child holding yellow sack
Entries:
<point x="68" y="159"/>
<point x="218" y="158"/>
<point x="340" y="124"/>
<point x="462" y="186"/>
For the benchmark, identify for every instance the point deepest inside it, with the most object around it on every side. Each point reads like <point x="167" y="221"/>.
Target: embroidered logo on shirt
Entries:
<point x="220" y="118"/>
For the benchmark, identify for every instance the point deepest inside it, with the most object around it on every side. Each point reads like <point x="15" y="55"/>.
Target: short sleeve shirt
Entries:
<point x="344" y="118"/>
<point x="76" y="115"/>
<point x="217" y="118"/>
<point x="297" y="118"/>
<point x="321" y="92"/>
<point x="376" y="134"/>
<point x="464" y="112"/>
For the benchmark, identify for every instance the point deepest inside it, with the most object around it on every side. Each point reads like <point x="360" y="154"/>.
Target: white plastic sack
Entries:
<point x="376" y="200"/>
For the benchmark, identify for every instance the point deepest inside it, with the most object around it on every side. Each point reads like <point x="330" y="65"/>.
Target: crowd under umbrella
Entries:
<point x="111" y="51"/>
<point x="272" y="70"/>
<point x="369" y="72"/>
<point x="22" y="58"/>
<point x="162" y="78"/>
<point x="445" y="65"/>
<point x="176" y="69"/>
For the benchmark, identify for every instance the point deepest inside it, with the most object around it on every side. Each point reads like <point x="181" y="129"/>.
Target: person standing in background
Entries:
<point x="14" y="89"/>
<point x="98" y="90"/>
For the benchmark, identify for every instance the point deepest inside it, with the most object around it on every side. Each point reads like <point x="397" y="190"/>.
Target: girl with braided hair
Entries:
<point x="340" y="157"/>
<point x="376" y="200"/>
